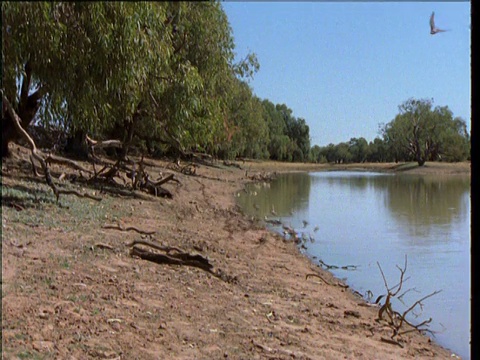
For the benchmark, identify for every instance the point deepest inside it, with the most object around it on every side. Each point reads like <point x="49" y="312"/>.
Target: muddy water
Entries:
<point x="361" y="218"/>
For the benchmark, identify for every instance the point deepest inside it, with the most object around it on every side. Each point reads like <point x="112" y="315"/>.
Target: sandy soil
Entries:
<point x="71" y="290"/>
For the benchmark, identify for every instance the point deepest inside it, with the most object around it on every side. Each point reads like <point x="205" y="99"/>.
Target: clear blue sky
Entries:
<point x="345" y="67"/>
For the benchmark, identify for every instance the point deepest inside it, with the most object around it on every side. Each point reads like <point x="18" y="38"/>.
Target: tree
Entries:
<point x="377" y="151"/>
<point x="88" y="66"/>
<point x="425" y="134"/>
<point x="247" y="133"/>
<point x="142" y="72"/>
<point x="359" y="149"/>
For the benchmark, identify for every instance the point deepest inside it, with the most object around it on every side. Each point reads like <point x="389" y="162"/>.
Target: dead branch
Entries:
<point x="37" y="154"/>
<point x="154" y="188"/>
<point x="175" y="259"/>
<point x="317" y="276"/>
<point x="103" y="246"/>
<point x="167" y="249"/>
<point x="391" y="341"/>
<point x="163" y="180"/>
<point x="395" y="319"/>
<point x="326" y="282"/>
<point x="76" y="193"/>
<point x="50" y="158"/>
<point x="99" y="144"/>
<point x="231" y="163"/>
<point x="129" y="228"/>
<point x="345" y="267"/>
<point x="418" y="302"/>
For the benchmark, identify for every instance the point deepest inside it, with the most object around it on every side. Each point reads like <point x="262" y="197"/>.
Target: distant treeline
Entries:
<point x="162" y="78"/>
<point x="418" y="133"/>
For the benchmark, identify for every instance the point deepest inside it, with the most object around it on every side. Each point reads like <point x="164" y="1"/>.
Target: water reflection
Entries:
<point x="360" y="218"/>
<point x="282" y="198"/>
<point x="425" y="203"/>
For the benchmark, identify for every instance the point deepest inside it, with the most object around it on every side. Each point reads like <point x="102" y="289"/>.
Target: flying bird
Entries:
<point x="433" y="28"/>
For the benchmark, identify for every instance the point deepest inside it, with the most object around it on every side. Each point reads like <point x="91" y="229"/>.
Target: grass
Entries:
<point x="39" y="207"/>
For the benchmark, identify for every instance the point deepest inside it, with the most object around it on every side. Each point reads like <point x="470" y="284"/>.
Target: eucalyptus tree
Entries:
<point x="359" y="149"/>
<point x="84" y="66"/>
<point x="141" y="71"/>
<point x="422" y="133"/>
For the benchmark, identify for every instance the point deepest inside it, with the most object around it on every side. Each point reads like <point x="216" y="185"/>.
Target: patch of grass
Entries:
<point x="20" y="336"/>
<point x="39" y="207"/>
<point x="31" y="355"/>
<point x="72" y="298"/>
<point x="65" y="264"/>
<point x="95" y="312"/>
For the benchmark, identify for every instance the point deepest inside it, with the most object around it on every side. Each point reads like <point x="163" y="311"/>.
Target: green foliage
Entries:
<point x="161" y="76"/>
<point x="421" y="133"/>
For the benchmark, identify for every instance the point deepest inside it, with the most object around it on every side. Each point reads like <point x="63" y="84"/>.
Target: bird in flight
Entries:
<point x="433" y="28"/>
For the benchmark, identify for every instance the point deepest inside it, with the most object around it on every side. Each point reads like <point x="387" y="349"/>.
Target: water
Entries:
<point x="361" y="218"/>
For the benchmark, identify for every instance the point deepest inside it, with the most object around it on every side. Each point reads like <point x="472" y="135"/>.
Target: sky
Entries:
<point x="345" y="67"/>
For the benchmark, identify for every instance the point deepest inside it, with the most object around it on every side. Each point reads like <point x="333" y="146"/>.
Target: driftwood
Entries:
<point x="41" y="158"/>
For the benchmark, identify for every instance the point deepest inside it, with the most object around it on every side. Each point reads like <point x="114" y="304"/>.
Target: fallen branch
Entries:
<point x="186" y="259"/>
<point x="103" y="144"/>
<point x="345" y="267"/>
<point x="317" y="276"/>
<point x="326" y="282"/>
<point x="85" y="195"/>
<point x="167" y="249"/>
<point x="64" y="161"/>
<point x="391" y="341"/>
<point x="129" y="228"/>
<point x="103" y="246"/>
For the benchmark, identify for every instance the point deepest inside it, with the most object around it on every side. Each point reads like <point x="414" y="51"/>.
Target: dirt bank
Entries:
<point x="72" y="291"/>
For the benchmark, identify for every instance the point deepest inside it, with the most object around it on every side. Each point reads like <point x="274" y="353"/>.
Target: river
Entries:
<point x="366" y="221"/>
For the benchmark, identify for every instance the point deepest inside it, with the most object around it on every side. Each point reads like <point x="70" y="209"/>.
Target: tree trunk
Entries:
<point x="27" y="110"/>
<point x="77" y="146"/>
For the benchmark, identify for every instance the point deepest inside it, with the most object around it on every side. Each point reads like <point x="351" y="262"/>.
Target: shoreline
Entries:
<point x="71" y="289"/>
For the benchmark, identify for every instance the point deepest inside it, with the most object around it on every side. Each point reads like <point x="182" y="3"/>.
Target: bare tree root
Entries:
<point x="40" y="157"/>
<point x="394" y="319"/>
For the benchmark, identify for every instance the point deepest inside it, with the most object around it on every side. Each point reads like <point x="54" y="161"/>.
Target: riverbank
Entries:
<point x="72" y="290"/>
